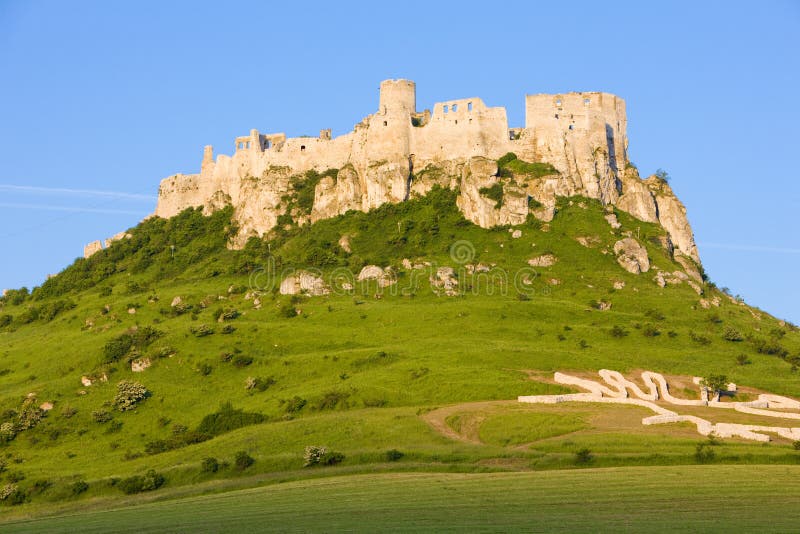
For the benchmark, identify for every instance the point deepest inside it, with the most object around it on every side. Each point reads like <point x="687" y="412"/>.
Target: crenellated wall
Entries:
<point x="583" y="135"/>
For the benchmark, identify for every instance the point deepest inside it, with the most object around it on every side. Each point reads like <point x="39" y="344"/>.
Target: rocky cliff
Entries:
<point x="572" y="144"/>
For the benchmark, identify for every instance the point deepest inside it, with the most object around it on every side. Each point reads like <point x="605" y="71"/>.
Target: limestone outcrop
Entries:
<point x="304" y="283"/>
<point x="398" y="153"/>
<point x="632" y="256"/>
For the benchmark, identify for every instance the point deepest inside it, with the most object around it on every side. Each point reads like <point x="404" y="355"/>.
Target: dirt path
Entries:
<point x="437" y="419"/>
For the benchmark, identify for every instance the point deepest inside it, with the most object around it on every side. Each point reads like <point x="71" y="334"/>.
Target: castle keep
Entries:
<point x="398" y="152"/>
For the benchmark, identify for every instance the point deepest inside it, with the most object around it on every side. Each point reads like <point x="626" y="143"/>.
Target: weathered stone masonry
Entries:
<point x="398" y="152"/>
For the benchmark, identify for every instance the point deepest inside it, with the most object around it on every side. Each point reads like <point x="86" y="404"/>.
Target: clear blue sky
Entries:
<point x="100" y="100"/>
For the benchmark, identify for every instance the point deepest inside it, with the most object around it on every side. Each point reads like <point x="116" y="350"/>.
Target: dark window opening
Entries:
<point x="469" y="106"/>
<point x="303" y="147"/>
<point x="385" y="123"/>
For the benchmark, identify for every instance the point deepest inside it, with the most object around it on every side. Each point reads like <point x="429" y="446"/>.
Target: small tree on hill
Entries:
<point x="715" y="383"/>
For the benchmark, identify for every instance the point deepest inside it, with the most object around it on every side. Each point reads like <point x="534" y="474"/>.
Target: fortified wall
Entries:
<point x="398" y="152"/>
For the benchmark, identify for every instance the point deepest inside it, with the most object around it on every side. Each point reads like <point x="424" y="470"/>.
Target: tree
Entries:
<point x="662" y="175"/>
<point x="715" y="383"/>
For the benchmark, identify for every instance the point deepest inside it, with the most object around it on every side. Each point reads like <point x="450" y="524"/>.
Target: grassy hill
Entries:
<point x="241" y="380"/>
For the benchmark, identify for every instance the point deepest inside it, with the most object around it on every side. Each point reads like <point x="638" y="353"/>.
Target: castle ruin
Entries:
<point x="399" y="152"/>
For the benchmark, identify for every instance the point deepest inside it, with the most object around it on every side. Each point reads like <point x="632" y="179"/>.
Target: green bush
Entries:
<point x="494" y="192"/>
<point x="295" y="404"/>
<point x="6" y="320"/>
<point x="242" y="460"/>
<point x="78" y="487"/>
<point x="393" y="455"/>
<point x="7" y="432"/>
<point x="288" y="310"/>
<point x="618" y="332"/>
<point x="102" y="416"/>
<point x="150" y="481"/>
<point x="201" y="331"/>
<point x="227" y="419"/>
<point x="583" y="456"/>
<point x="129" y="394"/>
<point x="703" y="453"/>
<point x="209" y="465"/>
<point x="241" y="361"/>
<point x="731" y="334"/>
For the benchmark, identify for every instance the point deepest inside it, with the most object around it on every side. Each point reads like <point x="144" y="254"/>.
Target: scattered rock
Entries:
<point x="545" y="260"/>
<point x="619" y="284"/>
<point x="516" y="234"/>
<point x="632" y="256"/>
<point x="257" y="303"/>
<point x="385" y="277"/>
<point x="177" y="301"/>
<point x="612" y="220"/>
<point x="659" y="279"/>
<point x="477" y="268"/>
<point x="344" y="242"/>
<point x="132" y="311"/>
<point x="46" y="406"/>
<point x="86" y="381"/>
<point x="553" y="281"/>
<point x="303" y="282"/>
<point x="603" y="305"/>
<point x="696" y="287"/>
<point x="444" y="280"/>
<point x="137" y="366"/>
<point x="588" y="241"/>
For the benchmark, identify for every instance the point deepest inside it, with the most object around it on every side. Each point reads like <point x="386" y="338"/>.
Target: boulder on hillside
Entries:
<point x="303" y="282"/>
<point x="632" y="256"/>
<point x="545" y="260"/>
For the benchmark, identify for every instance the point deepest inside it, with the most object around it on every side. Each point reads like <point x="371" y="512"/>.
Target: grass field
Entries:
<point x="630" y="499"/>
<point x="368" y="370"/>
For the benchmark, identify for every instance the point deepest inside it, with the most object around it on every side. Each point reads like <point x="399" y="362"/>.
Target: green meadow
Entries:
<point x="403" y="382"/>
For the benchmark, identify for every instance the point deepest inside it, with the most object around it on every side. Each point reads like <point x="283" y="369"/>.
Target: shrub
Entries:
<point x="209" y="465"/>
<point x="771" y="347"/>
<point x="7" y="491"/>
<point x="78" y="487"/>
<point x="129" y="394"/>
<point x="68" y="411"/>
<point x="715" y="383"/>
<point x="654" y="314"/>
<point x="583" y="456"/>
<point x="242" y="460"/>
<point x="650" y="330"/>
<point x="29" y="414"/>
<point x="703" y="453"/>
<point x="796" y="445"/>
<point x="6" y="320"/>
<point x="393" y="455"/>
<point x="331" y="400"/>
<point x="742" y="359"/>
<point x="201" y="331"/>
<point x="731" y="334"/>
<point x="700" y="339"/>
<point x="241" y="361"/>
<point x="494" y="192"/>
<point x="7" y="432"/>
<point x="136" y="484"/>
<point x="228" y="329"/>
<point x="288" y="311"/>
<point x="204" y="368"/>
<point x="315" y="455"/>
<point x="295" y="404"/>
<point x="101" y="416"/>
<point x="226" y="419"/>
<point x="618" y="332"/>
<point x="116" y="348"/>
<point x="259" y="384"/>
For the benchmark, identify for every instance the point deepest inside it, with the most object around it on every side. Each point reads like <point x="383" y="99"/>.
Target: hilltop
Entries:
<point x="199" y="351"/>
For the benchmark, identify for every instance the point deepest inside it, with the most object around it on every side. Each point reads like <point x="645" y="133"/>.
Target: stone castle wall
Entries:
<point x="384" y="159"/>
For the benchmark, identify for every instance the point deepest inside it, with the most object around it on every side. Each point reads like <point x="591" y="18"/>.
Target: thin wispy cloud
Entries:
<point x="750" y="248"/>
<point x="71" y="209"/>
<point x="75" y="192"/>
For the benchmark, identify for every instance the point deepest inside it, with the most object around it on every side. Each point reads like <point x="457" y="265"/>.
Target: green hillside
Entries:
<point x="243" y="379"/>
